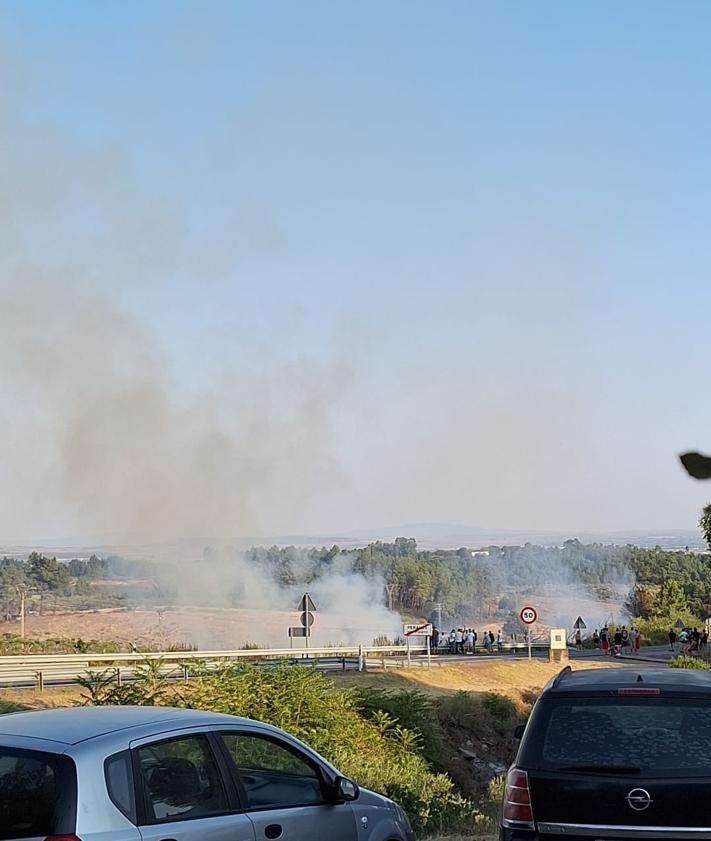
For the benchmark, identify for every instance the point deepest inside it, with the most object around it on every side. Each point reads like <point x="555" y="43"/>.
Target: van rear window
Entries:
<point x="646" y="735"/>
<point x="37" y="794"/>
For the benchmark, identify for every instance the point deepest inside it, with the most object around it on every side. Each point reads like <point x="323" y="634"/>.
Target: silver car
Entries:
<point x="160" y="774"/>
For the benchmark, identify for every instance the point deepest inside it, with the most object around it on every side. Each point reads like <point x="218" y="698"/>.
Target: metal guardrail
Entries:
<point x="42" y="670"/>
<point x="45" y="669"/>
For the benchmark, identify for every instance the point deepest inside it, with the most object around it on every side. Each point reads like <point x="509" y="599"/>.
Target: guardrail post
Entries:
<point x="343" y="663"/>
<point x="40" y="681"/>
<point x="186" y="674"/>
<point x="118" y="676"/>
<point x="360" y="658"/>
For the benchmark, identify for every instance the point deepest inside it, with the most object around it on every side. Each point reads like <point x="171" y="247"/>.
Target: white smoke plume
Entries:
<point x="114" y="441"/>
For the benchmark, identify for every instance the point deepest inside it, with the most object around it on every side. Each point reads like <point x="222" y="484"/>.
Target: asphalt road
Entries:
<point x="648" y="654"/>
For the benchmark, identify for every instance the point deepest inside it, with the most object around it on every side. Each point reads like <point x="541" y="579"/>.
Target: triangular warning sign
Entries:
<point x="306" y="603"/>
<point x="579" y="624"/>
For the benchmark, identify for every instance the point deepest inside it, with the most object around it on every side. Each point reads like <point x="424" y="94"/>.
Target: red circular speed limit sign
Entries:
<point x="528" y="615"/>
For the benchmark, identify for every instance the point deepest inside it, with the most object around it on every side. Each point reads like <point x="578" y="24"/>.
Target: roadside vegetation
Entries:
<point x="411" y="734"/>
<point x="15" y="644"/>
<point x="441" y="758"/>
<point x="684" y="661"/>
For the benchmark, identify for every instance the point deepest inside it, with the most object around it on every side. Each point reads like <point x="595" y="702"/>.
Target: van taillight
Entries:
<point x="517" y="800"/>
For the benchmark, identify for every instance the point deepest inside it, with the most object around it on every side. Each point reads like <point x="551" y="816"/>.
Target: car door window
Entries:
<point x="37" y="793"/>
<point x="180" y="779"/>
<point x="272" y="774"/>
<point x="119" y="783"/>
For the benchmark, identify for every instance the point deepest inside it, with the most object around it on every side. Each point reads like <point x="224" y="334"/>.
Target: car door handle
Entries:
<point x="274" y="830"/>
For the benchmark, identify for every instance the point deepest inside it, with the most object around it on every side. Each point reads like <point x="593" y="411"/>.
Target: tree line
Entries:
<point x="468" y="584"/>
<point x="479" y="583"/>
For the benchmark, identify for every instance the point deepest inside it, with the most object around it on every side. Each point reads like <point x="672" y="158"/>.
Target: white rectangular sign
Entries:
<point x="424" y="629"/>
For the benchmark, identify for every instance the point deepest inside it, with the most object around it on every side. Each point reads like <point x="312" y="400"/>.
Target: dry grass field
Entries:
<point x="157" y="629"/>
<point x="520" y="680"/>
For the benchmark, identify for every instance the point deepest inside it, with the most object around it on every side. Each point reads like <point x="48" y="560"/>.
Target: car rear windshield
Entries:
<point x="653" y="736"/>
<point x="37" y="794"/>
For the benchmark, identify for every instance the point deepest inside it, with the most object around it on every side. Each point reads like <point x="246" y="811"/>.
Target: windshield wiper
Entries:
<point x="601" y="769"/>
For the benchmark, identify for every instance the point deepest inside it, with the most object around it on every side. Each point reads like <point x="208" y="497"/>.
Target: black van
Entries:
<point x="614" y="754"/>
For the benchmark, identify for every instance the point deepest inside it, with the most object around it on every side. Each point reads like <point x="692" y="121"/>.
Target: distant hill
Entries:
<point x="427" y="535"/>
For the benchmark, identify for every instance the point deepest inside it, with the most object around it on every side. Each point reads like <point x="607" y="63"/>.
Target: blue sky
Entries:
<point x="487" y="222"/>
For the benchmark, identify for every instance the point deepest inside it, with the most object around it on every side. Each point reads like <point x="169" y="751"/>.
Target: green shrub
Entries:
<point x="487" y="822"/>
<point x="656" y="637"/>
<point x="464" y="707"/>
<point x="459" y="707"/>
<point x="148" y="689"/>
<point x="684" y="661"/>
<point x="653" y="632"/>
<point x="405" y="707"/>
<point x="378" y="751"/>
<point x="499" y="706"/>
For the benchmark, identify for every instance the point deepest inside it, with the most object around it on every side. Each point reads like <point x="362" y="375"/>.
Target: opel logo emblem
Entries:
<point x="639" y="799"/>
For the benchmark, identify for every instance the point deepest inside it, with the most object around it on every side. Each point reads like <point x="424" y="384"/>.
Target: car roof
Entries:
<point x="70" y="725"/>
<point x="606" y="680"/>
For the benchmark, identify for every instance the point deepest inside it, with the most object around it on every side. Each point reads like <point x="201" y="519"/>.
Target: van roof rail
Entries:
<point x="557" y="679"/>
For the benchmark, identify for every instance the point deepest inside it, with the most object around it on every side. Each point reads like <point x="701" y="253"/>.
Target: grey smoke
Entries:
<point x="103" y="434"/>
<point x="558" y="593"/>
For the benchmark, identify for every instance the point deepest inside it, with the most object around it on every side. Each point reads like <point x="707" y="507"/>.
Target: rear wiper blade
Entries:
<point x="601" y="769"/>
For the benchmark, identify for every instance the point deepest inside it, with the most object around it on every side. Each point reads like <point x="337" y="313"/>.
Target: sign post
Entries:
<point x="528" y="616"/>
<point x="579" y="626"/>
<point x="307" y="608"/>
<point x="422" y="630"/>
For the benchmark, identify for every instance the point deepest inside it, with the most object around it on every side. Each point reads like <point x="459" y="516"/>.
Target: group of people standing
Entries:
<point x="691" y="639"/>
<point x="622" y="639"/>
<point x="464" y="640"/>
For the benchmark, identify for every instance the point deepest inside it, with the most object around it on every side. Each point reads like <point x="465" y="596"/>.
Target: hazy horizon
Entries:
<point x="427" y="535"/>
<point x="300" y="269"/>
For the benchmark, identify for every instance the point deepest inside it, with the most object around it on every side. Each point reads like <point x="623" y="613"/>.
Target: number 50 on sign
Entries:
<point x="528" y="615"/>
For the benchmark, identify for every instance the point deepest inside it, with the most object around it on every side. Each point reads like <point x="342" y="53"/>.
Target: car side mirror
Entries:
<point x="346" y="789"/>
<point x="519" y="730"/>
